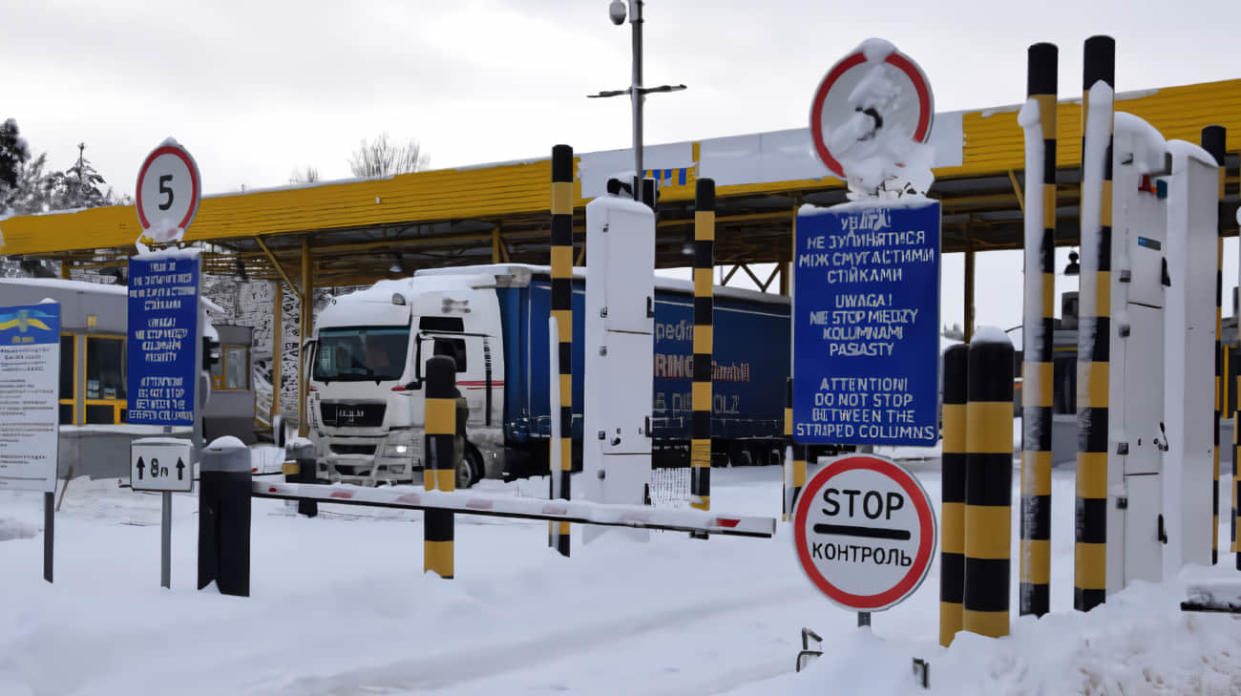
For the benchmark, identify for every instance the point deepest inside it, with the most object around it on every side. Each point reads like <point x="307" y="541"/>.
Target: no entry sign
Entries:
<point x="865" y="532"/>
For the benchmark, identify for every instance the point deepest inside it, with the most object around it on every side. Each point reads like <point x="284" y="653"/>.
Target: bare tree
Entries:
<point x="304" y="175"/>
<point x="381" y="157"/>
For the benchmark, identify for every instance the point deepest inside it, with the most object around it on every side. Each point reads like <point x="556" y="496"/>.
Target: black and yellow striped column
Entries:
<point x="798" y="452"/>
<point x="562" y="310"/>
<point x="952" y="516"/>
<point x="704" y="308"/>
<point x="1034" y="593"/>
<point x="1093" y="356"/>
<point x="988" y="486"/>
<point x="440" y="470"/>
<point x="1213" y="143"/>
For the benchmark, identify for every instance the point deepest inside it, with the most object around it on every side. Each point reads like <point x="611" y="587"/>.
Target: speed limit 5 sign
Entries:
<point x="865" y="532"/>
<point x="169" y="188"/>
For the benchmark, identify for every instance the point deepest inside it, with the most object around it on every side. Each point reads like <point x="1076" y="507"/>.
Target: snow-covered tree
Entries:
<point x="304" y="175"/>
<point x="13" y="154"/>
<point x="79" y="186"/>
<point x="32" y="191"/>
<point x="381" y="157"/>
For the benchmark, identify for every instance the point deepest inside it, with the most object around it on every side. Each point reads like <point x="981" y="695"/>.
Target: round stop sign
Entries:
<point x="865" y="532"/>
<point x="168" y="191"/>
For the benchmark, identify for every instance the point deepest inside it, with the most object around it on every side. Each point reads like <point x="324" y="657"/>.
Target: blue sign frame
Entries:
<point x="866" y="324"/>
<point x="162" y="349"/>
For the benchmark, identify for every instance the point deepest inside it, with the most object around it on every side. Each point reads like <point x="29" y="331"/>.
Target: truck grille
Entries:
<point x="353" y="449"/>
<point x="352" y="415"/>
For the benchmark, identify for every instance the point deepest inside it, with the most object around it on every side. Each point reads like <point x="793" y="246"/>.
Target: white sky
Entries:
<point x="257" y="88"/>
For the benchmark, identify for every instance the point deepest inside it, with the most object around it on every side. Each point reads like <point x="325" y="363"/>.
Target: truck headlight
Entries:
<point x="398" y="450"/>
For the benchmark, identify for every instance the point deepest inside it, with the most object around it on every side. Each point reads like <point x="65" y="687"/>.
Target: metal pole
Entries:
<point x="636" y="95"/>
<point x="165" y="541"/>
<point x="863" y="619"/>
<point x="49" y="534"/>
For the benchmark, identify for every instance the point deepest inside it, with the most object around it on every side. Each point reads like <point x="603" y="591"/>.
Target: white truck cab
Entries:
<point x="366" y="395"/>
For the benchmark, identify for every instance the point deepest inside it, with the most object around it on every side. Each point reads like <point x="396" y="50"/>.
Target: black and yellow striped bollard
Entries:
<point x="988" y="484"/>
<point x="952" y="495"/>
<point x="1094" y="355"/>
<point x="440" y="469"/>
<point x="704" y="307"/>
<point x="1034" y="593"/>
<point x="562" y="311"/>
<point x="1213" y="143"/>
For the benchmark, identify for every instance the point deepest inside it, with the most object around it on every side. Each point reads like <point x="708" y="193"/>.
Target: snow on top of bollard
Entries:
<point x="226" y="442"/>
<point x="990" y="334"/>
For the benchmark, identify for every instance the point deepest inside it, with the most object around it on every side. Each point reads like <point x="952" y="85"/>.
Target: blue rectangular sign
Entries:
<point x="866" y="324"/>
<point x="163" y="334"/>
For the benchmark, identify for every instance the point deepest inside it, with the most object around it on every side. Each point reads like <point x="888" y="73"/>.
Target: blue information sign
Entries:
<point x="163" y="337"/>
<point x="866" y="324"/>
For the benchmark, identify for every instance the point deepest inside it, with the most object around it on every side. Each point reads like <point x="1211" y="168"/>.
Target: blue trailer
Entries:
<point x="751" y="365"/>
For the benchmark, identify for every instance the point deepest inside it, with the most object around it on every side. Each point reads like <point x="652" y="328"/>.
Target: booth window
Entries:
<point x="232" y="371"/>
<point x="105" y="379"/>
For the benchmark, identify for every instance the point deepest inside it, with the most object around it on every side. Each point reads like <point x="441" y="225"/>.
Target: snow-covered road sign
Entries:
<point x="864" y="530"/>
<point x="161" y="464"/>
<point x="169" y="188"/>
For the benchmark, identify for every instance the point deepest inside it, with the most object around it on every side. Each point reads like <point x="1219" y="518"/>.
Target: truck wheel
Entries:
<point x="471" y="470"/>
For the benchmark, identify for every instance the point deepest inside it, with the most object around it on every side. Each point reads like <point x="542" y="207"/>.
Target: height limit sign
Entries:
<point x="865" y="532"/>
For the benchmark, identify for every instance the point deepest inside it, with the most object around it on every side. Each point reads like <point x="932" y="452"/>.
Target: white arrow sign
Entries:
<point x="161" y="464"/>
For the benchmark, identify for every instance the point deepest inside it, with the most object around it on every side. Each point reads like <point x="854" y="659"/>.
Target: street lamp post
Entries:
<point x="637" y="93"/>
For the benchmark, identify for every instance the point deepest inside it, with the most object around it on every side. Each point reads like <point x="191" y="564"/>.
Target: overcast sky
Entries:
<point x="256" y="88"/>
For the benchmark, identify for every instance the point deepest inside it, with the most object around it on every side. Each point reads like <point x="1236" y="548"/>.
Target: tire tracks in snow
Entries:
<point x="474" y="662"/>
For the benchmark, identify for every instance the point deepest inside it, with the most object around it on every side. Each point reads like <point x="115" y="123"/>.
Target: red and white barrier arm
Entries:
<point x="465" y="502"/>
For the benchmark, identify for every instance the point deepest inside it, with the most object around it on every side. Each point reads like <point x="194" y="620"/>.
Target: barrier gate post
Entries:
<point x="440" y="467"/>
<point x="224" y="517"/>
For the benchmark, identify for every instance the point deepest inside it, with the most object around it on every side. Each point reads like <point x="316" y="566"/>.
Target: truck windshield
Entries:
<point x="359" y="353"/>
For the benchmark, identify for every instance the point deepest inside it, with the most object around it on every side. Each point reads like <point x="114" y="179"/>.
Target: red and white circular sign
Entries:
<point x="865" y="532"/>
<point x="169" y="188"/>
<point x="874" y="94"/>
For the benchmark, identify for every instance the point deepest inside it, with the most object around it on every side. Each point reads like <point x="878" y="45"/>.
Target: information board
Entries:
<point x="163" y="338"/>
<point x="866" y="324"/>
<point x="29" y="396"/>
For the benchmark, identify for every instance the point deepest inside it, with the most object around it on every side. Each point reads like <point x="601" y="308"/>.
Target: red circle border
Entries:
<point x="184" y="156"/>
<point x="926" y="523"/>
<point x="897" y="60"/>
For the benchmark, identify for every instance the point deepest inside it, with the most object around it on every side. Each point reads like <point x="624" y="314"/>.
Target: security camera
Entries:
<point x="617" y="12"/>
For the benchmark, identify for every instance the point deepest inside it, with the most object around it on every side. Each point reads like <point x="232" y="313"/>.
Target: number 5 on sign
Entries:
<point x="169" y="187"/>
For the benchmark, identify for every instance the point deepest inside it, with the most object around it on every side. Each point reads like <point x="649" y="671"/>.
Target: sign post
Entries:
<point x="163" y="464"/>
<point x="165" y="333"/>
<point x="164" y="355"/>
<point x="865" y="534"/>
<point x="30" y="407"/>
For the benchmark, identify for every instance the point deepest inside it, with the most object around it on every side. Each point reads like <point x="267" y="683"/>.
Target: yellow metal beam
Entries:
<point x="276" y="263"/>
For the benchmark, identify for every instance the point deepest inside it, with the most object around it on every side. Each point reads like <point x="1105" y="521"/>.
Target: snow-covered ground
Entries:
<point x="340" y="605"/>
